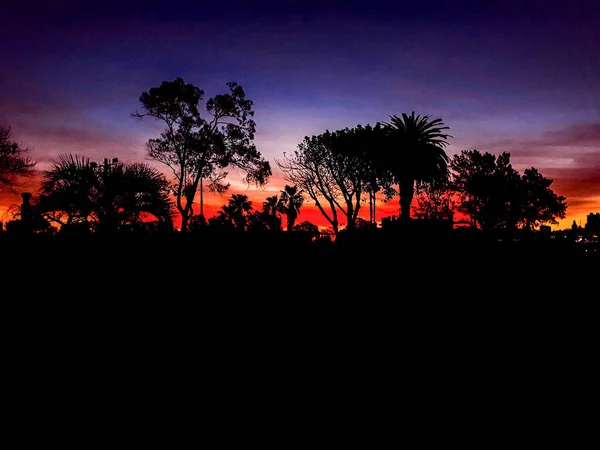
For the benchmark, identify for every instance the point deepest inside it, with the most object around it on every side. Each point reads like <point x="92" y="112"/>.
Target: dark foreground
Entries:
<point x="162" y="302"/>
<point x="182" y="266"/>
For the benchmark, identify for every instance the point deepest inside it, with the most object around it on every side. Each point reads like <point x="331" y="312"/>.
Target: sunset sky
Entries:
<point x="518" y="76"/>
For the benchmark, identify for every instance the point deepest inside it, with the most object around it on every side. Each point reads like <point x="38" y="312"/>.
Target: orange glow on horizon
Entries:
<point x="309" y="212"/>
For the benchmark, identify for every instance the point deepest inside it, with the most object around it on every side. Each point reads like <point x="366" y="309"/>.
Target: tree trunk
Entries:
<point x="184" y="222"/>
<point x="374" y="195"/>
<point x="336" y="228"/>
<point x="201" y="199"/>
<point x="407" y="191"/>
<point x="351" y="220"/>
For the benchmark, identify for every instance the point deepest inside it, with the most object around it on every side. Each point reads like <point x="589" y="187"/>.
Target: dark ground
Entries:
<point x="453" y="311"/>
<point x="180" y="267"/>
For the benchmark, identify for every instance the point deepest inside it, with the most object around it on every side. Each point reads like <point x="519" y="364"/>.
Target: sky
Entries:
<point x="519" y="76"/>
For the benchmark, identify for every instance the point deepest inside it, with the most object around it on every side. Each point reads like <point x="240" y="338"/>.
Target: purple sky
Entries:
<point x="517" y="76"/>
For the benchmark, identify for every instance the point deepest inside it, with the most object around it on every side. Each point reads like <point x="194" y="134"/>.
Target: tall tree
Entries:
<point x="290" y="202"/>
<point x="328" y="169"/>
<point x="414" y="153"/>
<point x="195" y="148"/>
<point x="484" y="184"/>
<point x="496" y="197"/>
<point x="540" y="205"/>
<point x="110" y="196"/>
<point x="15" y="161"/>
<point x="364" y="144"/>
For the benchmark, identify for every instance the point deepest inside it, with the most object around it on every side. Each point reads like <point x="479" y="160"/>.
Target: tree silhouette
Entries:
<point x="484" y="182"/>
<point x="541" y="205"/>
<point x="308" y="229"/>
<point x="195" y="148"/>
<point x="26" y="218"/>
<point x="110" y="197"/>
<point x="306" y="226"/>
<point x="290" y="202"/>
<point x="270" y="205"/>
<point x="363" y="145"/>
<point x="414" y="153"/>
<point x="15" y="161"/>
<point x="495" y="196"/>
<point x="435" y="200"/>
<point x="236" y="212"/>
<point x="268" y="218"/>
<point x="331" y="172"/>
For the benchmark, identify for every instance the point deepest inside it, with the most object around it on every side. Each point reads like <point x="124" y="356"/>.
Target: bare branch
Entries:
<point x="15" y="162"/>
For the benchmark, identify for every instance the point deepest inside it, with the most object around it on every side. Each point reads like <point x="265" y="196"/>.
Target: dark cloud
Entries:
<point x="584" y="135"/>
<point x="66" y="131"/>
<point x="580" y="140"/>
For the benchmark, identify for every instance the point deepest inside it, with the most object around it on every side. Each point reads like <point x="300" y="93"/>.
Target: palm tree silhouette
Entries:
<point x="236" y="211"/>
<point x="415" y="154"/>
<point x="270" y="205"/>
<point x="269" y="216"/>
<point x="110" y="196"/>
<point x="290" y="202"/>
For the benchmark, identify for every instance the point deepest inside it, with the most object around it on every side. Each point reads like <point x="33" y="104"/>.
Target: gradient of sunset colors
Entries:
<point x="506" y="76"/>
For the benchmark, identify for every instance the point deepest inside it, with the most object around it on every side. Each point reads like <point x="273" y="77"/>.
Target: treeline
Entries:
<point x="340" y="171"/>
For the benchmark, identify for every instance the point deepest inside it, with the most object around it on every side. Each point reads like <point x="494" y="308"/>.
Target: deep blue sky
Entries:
<point x="518" y="76"/>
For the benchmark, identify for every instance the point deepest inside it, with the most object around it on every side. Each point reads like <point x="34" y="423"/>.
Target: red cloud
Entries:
<point x="587" y="135"/>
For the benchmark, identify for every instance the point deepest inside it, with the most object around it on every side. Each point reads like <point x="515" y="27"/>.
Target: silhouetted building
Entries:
<point x="25" y="224"/>
<point x="593" y="222"/>
<point x="388" y="222"/>
<point x="26" y="211"/>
